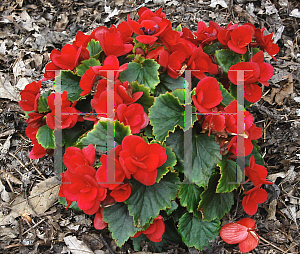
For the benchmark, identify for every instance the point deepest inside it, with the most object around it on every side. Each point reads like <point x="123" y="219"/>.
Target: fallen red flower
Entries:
<point x="241" y="232"/>
<point x="155" y="231"/>
<point x="252" y="198"/>
<point x="37" y="151"/>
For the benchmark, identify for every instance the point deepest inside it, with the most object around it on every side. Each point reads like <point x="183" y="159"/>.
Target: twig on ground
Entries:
<point x="106" y="244"/>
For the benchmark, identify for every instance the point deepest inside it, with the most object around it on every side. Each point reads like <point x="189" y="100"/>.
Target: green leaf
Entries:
<point x="205" y="156"/>
<point x="189" y="195"/>
<point x="45" y="137"/>
<point x="94" y="48"/>
<point x="120" y="223"/>
<point x="227" y="97"/>
<point x="166" y="113"/>
<point x="258" y="158"/>
<point x="146" y="99"/>
<point x="197" y="233"/>
<point x="145" y="73"/>
<point x="214" y="205"/>
<point x="85" y="65"/>
<point x="169" y="164"/>
<point x="231" y="176"/>
<point x="98" y="135"/>
<point x="175" y="140"/>
<point x="168" y="84"/>
<point x="226" y="58"/>
<point x="43" y="105"/>
<point x="73" y="206"/>
<point x="70" y="136"/>
<point x="178" y="28"/>
<point x="145" y="202"/>
<point x="211" y="49"/>
<point x="250" y="53"/>
<point x="173" y="208"/>
<point x="69" y="82"/>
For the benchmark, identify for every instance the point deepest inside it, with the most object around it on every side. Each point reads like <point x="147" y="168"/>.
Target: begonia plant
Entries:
<point x="149" y="121"/>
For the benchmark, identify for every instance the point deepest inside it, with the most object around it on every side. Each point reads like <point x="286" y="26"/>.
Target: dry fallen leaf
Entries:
<point x="42" y="197"/>
<point x="76" y="246"/>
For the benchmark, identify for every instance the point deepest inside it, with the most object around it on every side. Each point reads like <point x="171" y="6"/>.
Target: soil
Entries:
<point x="29" y="30"/>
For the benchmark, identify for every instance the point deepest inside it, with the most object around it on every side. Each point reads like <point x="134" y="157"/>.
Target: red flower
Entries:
<point x="200" y="63"/>
<point x="266" y="70"/>
<point x="141" y="159"/>
<point x="256" y="173"/>
<point x="122" y="95"/>
<point x="240" y="37"/>
<point x="250" y="70"/>
<point x="241" y="232"/>
<point x="184" y="45"/>
<point x="111" y="41"/>
<point x="35" y="120"/>
<point x="37" y="151"/>
<point x="170" y="37"/>
<point x="155" y="231"/>
<point x="231" y="118"/>
<point x="175" y="62"/>
<point x="80" y="185"/>
<point x="208" y="95"/>
<point x="207" y="34"/>
<point x="266" y="42"/>
<point x="215" y="123"/>
<point x="74" y="157"/>
<point x="147" y="14"/>
<point x="30" y="96"/>
<point x="252" y="92"/>
<point x="252" y="198"/>
<point x="121" y="193"/>
<point x="117" y="171"/>
<point x="67" y="59"/>
<point x="134" y="116"/>
<point x="69" y="114"/>
<point x="81" y="39"/>
<point x="111" y="63"/>
<point x="148" y="31"/>
<point x="224" y="34"/>
<point x="99" y="224"/>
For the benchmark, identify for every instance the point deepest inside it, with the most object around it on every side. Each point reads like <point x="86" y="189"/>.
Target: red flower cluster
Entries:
<point x="257" y="175"/>
<point x="155" y="231"/>
<point x="126" y="111"/>
<point x="253" y="72"/>
<point x="241" y="232"/>
<point x="224" y="120"/>
<point x="69" y="114"/>
<point x="93" y="189"/>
